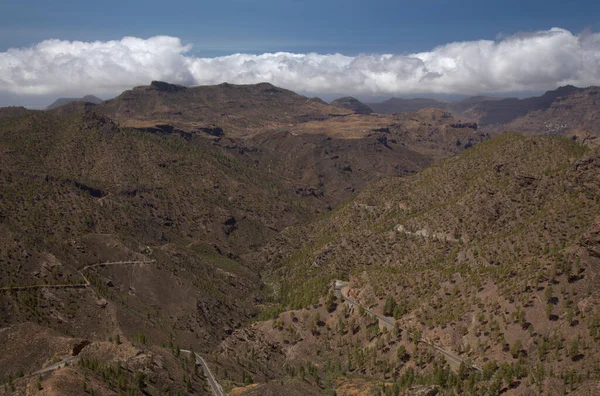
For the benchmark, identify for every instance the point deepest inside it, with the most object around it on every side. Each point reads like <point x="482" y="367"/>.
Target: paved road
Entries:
<point x="56" y="366"/>
<point x="340" y="288"/>
<point x="66" y="285"/>
<point x="118" y="263"/>
<point x="211" y="379"/>
<point x="87" y="267"/>
<point x="77" y="285"/>
<point x="53" y="367"/>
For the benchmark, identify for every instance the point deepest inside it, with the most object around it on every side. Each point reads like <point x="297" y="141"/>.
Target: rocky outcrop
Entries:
<point x="472" y="125"/>
<point x="213" y="130"/>
<point x="166" y="87"/>
<point x="591" y="239"/>
<point x="229" y="225"/>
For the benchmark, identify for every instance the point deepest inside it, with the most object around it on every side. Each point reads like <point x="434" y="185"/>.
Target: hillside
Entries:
<point x="337" y="157"/>
<point x="148" y="234"/>
<point x="13" y="111"/>
<point x="491" y="255"/>
<point x="78" y="191"/>
<point x="458" y="108"/>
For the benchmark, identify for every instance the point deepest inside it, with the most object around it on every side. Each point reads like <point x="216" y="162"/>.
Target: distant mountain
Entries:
<point x="353" y="104"/>
<point x="64" y="101"/>
<point x="506" y="110"/>
<point x="566" y="111"/>
<point x="237" y="109"/>
<point x="459" y="107"/>
<point x="399" y="105"/>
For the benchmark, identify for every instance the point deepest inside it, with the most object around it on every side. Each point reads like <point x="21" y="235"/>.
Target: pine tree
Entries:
<point x="389" y="306"/>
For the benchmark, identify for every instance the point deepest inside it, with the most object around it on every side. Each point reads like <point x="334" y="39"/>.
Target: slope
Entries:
<point x="77" y="190"/>
<point x="492" y="255"/>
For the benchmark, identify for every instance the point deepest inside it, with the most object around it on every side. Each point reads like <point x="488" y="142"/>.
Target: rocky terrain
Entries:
<point x="491" y="255"/>
<point x="237" y="110"/>
<point x="216" y="219"/>
<point x="567" y="111"/>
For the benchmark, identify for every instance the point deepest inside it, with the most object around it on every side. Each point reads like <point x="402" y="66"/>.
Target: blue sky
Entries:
<point x="369" y="49"/>
<point x="255" y="26"/>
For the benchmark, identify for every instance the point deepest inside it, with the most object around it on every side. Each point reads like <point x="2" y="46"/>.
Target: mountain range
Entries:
<point x="217" y="219"/>
<point x="565" y="111"/>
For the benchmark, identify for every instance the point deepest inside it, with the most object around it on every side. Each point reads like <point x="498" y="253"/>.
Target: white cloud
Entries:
<point x="526" y="62"/>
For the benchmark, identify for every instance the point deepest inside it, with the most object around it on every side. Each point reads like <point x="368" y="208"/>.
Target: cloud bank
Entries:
<point x="525" y="62"/>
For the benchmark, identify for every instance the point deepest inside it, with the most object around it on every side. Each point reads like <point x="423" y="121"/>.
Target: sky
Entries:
<point x="327" y="47"/>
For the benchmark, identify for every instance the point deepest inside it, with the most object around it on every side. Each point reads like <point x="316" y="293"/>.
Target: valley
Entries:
<point x="285" y="245"/>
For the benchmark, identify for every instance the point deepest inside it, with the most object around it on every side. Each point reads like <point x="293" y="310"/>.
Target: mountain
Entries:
<point x="457" y="108"/>
<point x="506" y="110"/>
<point x="236" y="109"/>
<point x="64" y="101"/>
<point x="399" y="105"/>
<point x="566" y="111"/>
<point x="217" y="219"/>
<point x="321" y="149"/>
<point x="353" y="104"/>
<point x="490" y="257"/>
<point x="127" y="235"/>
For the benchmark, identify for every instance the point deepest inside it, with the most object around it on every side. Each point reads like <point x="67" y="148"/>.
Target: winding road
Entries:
<point x="55" y="366"/>
<point x="211" y="379"/>
<point x="76" y="285"/>
<point x="341" y="287"/>
<point x="58" y="365"/>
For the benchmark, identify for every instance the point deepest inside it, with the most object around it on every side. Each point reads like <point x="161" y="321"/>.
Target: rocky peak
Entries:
<point x="353" y="104"/>
<point x="166" y="87"/>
